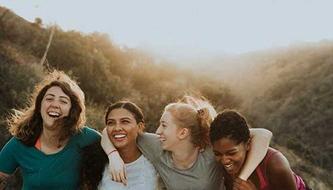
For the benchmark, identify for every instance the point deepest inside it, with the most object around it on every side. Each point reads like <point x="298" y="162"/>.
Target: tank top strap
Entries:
<point x="262" y="181"/>
<point x="261" y="170"/>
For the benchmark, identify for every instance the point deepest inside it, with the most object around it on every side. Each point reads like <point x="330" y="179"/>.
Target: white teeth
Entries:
<point x="228" y="166"/>
<point x="54" y="114"/>
<point x="119" y="136"/>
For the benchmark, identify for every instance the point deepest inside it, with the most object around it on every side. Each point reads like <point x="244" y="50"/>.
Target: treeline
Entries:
<point x="289" y="91"/>
<point x="105" y="72"/>
<point x="296" y="105"/>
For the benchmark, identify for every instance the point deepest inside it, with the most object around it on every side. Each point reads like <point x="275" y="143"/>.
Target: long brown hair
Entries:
<point x="26" y="124"/>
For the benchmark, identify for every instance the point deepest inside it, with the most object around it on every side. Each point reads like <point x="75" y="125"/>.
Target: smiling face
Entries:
<point x="168" y="131"/>
<point x="55" y="105"/>
<point x="230" y="154"/>
<point x="122" y="128"/>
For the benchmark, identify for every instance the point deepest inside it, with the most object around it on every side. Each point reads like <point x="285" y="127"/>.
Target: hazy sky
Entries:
<point x="189" y="27"/>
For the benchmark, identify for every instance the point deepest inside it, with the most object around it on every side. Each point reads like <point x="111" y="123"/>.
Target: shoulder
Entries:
<point x="277" y="164"/>
<point x="87" y="132"/>
<point x="275" y="159"/>
<point x="13" y="143"/>
<point x="208" y="153"/>
<point x="146" y="135"/>
<point x="87" y="136"/>
<point x="147" y="138"/>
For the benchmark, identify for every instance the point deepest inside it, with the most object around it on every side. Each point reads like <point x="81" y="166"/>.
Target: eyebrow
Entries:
<point x="120" y="118"/>
<point x="231" y="150"/>
<point x="60" y="96"/>
<point x="65" y="97"/>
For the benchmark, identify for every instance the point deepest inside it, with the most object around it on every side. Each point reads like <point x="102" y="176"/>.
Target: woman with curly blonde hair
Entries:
<point x="48" y="136"/>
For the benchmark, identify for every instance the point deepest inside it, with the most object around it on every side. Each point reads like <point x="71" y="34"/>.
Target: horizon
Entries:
<point x="181" y="30"/>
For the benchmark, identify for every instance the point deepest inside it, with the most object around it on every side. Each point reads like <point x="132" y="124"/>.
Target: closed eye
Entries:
<point x="110" y="122"/>
<point x="125" y="121"/>
<point x="64" y="101"/>
<point x="217" y="153"/>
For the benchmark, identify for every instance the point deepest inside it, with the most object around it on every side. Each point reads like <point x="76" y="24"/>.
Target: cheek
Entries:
<point x="109" y="131"/>
<point x="43" y="105"/>
<point x="67" y="110"/>
<point x="134" y="131"/>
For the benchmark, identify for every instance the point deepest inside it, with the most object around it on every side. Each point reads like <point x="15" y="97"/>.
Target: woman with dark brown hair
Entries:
<point x="124" y="121"/>
<point x="48" y="136"/>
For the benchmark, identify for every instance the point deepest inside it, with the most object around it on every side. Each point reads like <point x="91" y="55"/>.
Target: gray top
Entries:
<point x="203" y="175"/>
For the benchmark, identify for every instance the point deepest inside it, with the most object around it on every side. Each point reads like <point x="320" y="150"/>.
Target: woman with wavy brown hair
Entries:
<point x="181" y="151"/>
<point x="48" y="136"/>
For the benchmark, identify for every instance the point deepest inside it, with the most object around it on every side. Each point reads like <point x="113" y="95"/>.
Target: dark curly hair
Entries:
<point x="229" y="124"/>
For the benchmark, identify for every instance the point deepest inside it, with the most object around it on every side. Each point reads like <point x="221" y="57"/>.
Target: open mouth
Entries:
<point x="162" y="139"/>
<point x="228" y="167"/>
<point x="119" y="136"/>
<point x="54" y="114"/>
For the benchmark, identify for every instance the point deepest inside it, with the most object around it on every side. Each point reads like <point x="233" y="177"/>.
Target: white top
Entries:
<point x="141" y="175"/>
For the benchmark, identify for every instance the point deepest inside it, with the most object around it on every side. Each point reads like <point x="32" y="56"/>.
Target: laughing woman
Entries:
<point x="48" y="137"/>
<point x="230" y="136"/>
<point x="124" y="122"/>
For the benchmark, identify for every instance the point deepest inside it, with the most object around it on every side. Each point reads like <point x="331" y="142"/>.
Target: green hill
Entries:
<point x="288" y="91"/>
<point x="106" y="72"/>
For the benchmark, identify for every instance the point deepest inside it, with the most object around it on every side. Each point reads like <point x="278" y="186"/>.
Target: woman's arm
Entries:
<point x="260" y="139"/>
<point x="116" y="163"/>
<point x="278" y="170"/>
<point x="3" y="180"/>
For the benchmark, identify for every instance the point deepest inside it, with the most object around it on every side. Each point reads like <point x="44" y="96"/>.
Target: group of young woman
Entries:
<point x="193" y="147"/>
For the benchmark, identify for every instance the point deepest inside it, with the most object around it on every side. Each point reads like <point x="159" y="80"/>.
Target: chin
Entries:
<point x="119" y="145"/>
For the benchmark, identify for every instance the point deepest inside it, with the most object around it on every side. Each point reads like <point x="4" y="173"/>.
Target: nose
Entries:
<point x="55" y="104"/>
<point x="224" y="160"/>
<point x="117" y="126"/>
<point x="159" y="130"/>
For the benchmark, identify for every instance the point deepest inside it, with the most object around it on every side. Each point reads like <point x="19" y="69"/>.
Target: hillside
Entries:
<point x="288" y="91"/>
<point x="105" y="71"/>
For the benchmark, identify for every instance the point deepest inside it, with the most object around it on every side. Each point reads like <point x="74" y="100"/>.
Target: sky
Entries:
<point x="184" y="28"/>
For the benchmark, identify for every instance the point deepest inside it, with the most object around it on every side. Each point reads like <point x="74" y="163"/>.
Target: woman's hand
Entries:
<point x="3" y="180"/>
<point x="116" y="164"/>
<point x="240" y="184"/>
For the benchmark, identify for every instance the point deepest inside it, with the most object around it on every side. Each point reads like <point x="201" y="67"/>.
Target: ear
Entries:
<point x="183" y="133"/>
<point x="141" y="126"/>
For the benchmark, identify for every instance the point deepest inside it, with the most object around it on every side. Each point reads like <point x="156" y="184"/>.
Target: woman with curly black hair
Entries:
<point x="230" y="137"/>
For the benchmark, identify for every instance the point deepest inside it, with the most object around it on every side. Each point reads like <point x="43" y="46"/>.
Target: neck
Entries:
<point x="130" y="153"/>
<point x="50" y="137"/>
<point x="185" y="155"/>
